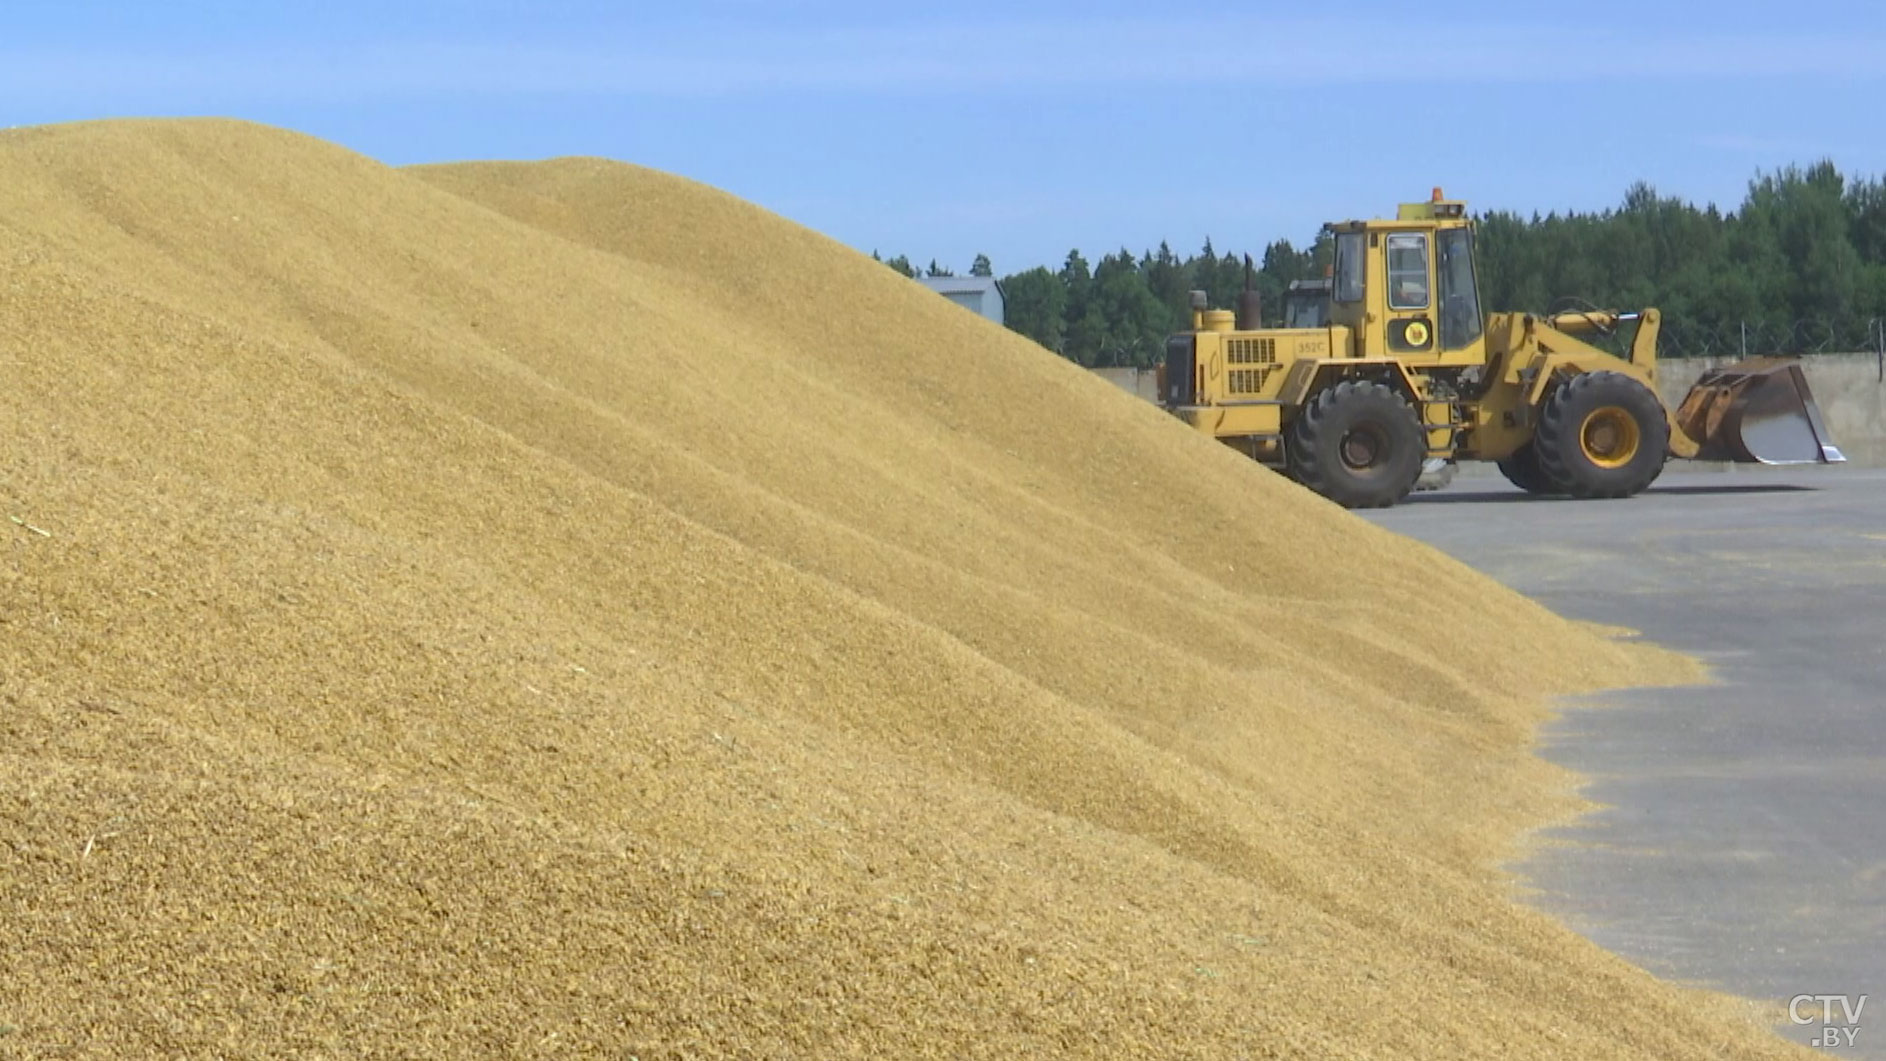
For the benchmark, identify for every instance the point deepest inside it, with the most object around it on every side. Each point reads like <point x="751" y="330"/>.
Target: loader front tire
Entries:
<point x="1358" y="444"/>
<point x="1602" y="434"/>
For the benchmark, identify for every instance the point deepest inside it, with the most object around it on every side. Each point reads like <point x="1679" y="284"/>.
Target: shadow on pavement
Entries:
<point x="1456" y="497"/>
<point x="1735" y="488"/>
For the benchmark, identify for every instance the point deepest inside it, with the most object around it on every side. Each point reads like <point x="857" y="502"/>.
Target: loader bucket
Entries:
<point x="1757" y="411"/>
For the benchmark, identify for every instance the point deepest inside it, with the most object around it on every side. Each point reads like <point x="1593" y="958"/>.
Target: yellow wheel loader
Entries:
<point x="1404" y="370"/>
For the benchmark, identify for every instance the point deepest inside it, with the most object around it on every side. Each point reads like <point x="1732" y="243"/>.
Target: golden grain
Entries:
<point x="559" y="609"/>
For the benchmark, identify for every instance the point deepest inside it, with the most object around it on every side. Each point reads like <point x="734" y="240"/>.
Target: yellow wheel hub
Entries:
<point x="1609" y="437"/>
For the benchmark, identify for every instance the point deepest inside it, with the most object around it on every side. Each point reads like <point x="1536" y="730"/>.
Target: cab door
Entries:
<point x="1458" y="289"/>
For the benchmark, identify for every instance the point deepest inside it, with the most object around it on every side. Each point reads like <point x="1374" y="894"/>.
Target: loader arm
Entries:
<point x="1643" y="344"/>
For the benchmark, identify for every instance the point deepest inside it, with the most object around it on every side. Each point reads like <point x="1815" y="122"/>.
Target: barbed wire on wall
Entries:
<point x="1811" y="335"/>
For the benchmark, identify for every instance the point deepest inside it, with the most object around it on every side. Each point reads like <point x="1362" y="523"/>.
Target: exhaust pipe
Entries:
<point x="1250" y="303"/>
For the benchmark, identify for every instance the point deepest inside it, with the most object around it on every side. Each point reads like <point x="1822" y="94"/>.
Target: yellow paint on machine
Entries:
<point x="1403" y="318"/>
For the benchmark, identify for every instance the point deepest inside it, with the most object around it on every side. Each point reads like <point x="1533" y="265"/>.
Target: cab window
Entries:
<point x="1407" y="271"/>
<point x="1350" y="261"/>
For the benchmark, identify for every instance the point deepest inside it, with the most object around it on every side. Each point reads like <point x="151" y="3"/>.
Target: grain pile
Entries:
<point x="561" y="610"/>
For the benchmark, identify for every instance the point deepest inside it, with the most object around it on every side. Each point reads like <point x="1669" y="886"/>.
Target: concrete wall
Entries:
<point x="1847" y="387"/>
<point x="1136" y="381"/>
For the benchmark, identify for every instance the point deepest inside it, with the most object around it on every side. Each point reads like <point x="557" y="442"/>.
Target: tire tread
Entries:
<point x="1556" y="442"/>
<point x="1306" y="453"/>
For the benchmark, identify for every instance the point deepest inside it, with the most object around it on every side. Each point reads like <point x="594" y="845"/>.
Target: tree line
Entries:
<point x="1801" y="261"/>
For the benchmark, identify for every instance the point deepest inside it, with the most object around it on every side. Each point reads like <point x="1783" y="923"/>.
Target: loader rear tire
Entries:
<point x="1522" y="470"/>
<point x="1358" y="444"/>
<point x="1602" y="434"/>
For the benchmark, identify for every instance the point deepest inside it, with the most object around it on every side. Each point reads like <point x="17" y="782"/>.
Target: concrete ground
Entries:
<point x="1743" y="841"/>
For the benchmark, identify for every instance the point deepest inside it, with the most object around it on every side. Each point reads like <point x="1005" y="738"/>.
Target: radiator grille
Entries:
<point x="1251" y="352"/>
<point x="1248" y="380"/>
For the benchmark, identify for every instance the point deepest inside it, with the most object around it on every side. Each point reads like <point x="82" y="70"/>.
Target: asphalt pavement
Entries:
<point x="1742" y="840"/>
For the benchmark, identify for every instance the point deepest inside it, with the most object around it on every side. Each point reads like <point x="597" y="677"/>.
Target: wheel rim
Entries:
<point x="1363" y="448"/>
<point x="1609" y="437"/>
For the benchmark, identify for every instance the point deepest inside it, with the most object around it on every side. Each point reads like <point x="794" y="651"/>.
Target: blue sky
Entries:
<point x="1018" y="130"/>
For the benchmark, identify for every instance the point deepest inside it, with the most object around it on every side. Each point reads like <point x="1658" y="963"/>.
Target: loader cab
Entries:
<point x="1407" y="288"/>
<point x="1306" y="304"/>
